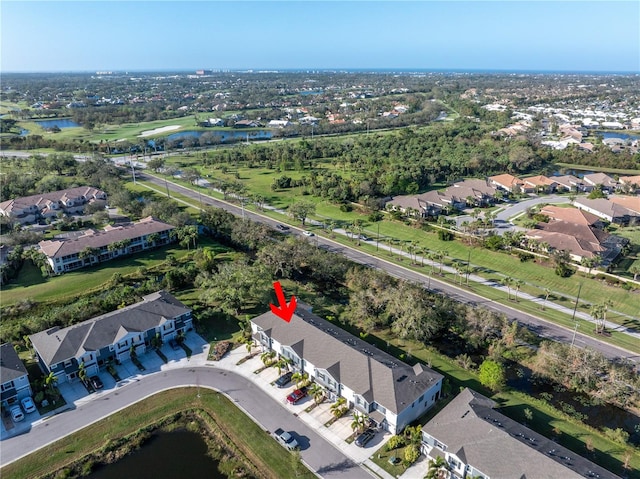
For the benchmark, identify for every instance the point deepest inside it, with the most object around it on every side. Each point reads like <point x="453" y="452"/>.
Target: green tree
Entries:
<point x="301" y="210"/>
<point x="316" y="392"/>
<point x="359" y="422"/>
<point x="492" y="375"/>
<point x="236" y="286"/>
<point x="438" y="468"/>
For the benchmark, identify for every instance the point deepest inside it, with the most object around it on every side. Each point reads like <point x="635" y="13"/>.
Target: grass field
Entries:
<point x="573" y="434"/>
<point x="265" y="453"/>
<point x="31" y="285"/>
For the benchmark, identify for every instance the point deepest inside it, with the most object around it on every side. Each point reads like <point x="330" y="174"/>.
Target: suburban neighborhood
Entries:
<point x="334" y="273"/>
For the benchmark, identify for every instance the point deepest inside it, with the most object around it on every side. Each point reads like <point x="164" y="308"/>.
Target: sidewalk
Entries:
<point x="336" y="434"/>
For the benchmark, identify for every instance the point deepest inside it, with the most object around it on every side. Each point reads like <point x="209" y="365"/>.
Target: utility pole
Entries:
<point x="378" y="238"/>
<point x="577" y="299"/>
<point x="133" y="171"/>
<point x="468" y="267"/>
<point x="574" y="334"/>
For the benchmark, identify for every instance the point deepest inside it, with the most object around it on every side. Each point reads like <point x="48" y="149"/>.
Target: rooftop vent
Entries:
<point x="401" y="378"/>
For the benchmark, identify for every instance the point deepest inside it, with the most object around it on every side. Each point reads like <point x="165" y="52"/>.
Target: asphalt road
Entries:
<point x="540" y="326"/>
<point x="319" y="454"/>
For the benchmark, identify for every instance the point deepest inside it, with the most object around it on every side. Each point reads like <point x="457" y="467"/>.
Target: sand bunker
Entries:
<point x="159" y="130"/>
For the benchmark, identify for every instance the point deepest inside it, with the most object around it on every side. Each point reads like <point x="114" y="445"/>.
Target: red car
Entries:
<point x="295" y="396"/>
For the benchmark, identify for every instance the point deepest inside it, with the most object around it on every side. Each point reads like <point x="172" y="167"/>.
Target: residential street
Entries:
<point x="540" y="326"/>
<point x="320" y="454"/>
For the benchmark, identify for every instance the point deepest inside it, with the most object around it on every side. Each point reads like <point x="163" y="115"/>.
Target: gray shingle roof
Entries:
<point x="503" y="448"/>
<point x="55" y="345"/>
<point x="360" y="366"/>
<point x="11" y="367"/>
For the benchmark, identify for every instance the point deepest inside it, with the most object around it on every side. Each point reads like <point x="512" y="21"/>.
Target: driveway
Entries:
<point x="84" y="409"/>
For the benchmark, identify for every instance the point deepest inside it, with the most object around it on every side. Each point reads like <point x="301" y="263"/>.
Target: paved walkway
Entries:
<point x="336" y="434"/>
<point x="77" y="397"/>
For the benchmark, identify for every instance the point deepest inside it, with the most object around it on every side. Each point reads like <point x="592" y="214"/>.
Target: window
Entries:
<point x="7" y="386"/>
<point x="68" y="363"/>
<point x="421" y="398"/>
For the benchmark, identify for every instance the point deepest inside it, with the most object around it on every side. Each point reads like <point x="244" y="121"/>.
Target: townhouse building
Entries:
<point x="110" y="337"/>
<point x="481" y="443"/>
<point x="31" y="209"/>
<point x="390" y="392"/>
<point x="14" y="376"/>
<point x="93" y="247"/>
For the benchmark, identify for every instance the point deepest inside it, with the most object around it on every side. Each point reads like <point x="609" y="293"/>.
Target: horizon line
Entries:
<point x="326" y="70"/>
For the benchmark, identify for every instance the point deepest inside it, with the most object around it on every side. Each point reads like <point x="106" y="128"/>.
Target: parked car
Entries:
<point x="282" y="227"/>
<point x="96" y="382"/>
<point x="16" y="414"/>
<point x="365" y="437"/>
<point x="296" y="395"/>
<point x="286" y="439"/>
<point x="173" y="343"/>
<point x="308" y="233"/>
<point x="28" y="405"/>
<point x="283" y="380"/>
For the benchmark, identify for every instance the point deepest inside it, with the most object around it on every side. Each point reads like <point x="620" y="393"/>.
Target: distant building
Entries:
<point x="94" y="247"/>
<point x="30" y="209"/>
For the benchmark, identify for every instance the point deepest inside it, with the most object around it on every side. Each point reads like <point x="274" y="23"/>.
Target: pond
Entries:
<point x="166" y="455"/>
<point x="59" y="122"/>
<point x="222" y="135"/>
<point x="622" y="136"/>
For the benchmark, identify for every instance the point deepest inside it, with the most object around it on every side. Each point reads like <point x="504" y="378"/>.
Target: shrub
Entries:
<point x="524" y="257"/>
<point x="444" y="235"/>
<point x="395" y="442"/>
<point x="346" y="208"/>
<point x="618" y="435"/>
<point x="411" y="454"/>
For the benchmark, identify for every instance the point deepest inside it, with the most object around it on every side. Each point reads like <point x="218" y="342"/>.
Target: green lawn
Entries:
<point x="31" y="285"/>
<point x="266" y="454"/>
<point x="573" y="434"/>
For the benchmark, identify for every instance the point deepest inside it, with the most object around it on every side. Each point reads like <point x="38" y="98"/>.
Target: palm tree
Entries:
<point x="518" y="283"/>
<point x="50" y="380"/>
<point x="507" y="281"/>
<point x="299" y="377"/>
<point x="438" y="468"/>
<point x="597" y="313"/>
<point x="82" y="373"/>
<point x="267" y="357"/>
<point x="440" y="256"/>
<point x="547" y="293"/>
<point x="359" y="422"/>
<point x="635" y="271"/>
<point x="337" y="408"/>
<point x="317" y="392"/>
<point x="281" y="364"/>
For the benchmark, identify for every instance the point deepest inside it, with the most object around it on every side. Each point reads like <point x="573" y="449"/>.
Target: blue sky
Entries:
<point x="454" y="35"/>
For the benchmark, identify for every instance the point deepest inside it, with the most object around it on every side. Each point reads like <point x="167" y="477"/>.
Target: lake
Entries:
<point x="222" y="135"/>
<point x="59" y="122"/>
<point x="624" y="136"/>
<point x="167" y="455"/>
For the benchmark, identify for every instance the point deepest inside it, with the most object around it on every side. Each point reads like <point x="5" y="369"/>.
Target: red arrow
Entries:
<point x="285" y="311"/>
